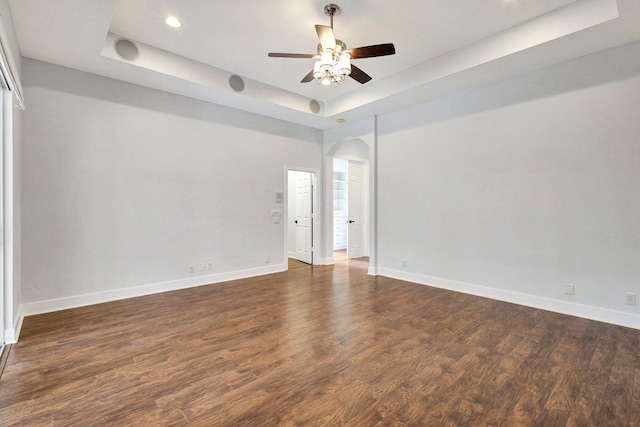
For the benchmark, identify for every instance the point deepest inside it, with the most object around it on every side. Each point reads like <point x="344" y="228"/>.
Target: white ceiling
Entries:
<point x="441" y="45"/>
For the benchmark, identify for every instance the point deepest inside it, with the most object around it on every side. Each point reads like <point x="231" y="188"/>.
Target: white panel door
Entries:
<point x="303" y="218"/>
<point x="355" y="241"/>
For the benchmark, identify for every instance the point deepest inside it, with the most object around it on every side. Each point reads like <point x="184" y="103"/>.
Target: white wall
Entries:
<point x="515" y="189"/>
<point x="340" y="165"/>
<point x="125" y="187"/>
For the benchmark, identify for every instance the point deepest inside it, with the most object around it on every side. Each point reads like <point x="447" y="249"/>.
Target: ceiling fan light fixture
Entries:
<point x="326" y="60"/>
<point x="333" y="66"/>
<point x="325" y="80"/>
<point x="344" y="64"/>
<point x="333" y="60"/>
<point x="174" y="22"/>
<point x="317" y="72"/>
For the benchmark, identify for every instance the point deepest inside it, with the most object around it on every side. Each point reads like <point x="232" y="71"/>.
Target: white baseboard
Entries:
<point x="58" y="304"/>
<point x="372" y="271"/>
<point x="11" y="335"/>
<point x="600" y="314"/>
<point x="589" y="312"/>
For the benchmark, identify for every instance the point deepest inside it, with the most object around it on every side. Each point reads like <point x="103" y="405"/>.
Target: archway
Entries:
<point x="349" y="159"/>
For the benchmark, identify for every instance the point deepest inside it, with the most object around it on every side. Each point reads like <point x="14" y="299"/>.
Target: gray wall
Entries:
<point x="125" y="187"/>
<point x="515" y="189"/>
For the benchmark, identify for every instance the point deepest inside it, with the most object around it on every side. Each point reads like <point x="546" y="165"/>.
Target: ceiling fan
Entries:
<point x="334" y="60"/>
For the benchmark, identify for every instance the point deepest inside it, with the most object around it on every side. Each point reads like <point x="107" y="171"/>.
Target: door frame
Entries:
<point x="366" y="205"/>
<point x="316" y="202"/>
<point x="334" y="150"/>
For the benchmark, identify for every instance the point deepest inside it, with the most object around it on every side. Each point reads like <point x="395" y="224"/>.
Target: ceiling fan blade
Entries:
<point x="309" y="77"/>
<point x="372" y="51"/>
<point x="291" y="55"/>
<point x="358" y="75"/>
<point x="326" y="37"/>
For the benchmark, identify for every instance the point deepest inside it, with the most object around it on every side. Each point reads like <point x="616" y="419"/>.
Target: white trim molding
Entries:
<point x="11" y="335"/>
<point x="620" y="318"/>
<point x="48" y="306"/>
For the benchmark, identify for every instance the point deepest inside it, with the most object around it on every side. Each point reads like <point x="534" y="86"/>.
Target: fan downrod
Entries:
<point x="330" y="10"/>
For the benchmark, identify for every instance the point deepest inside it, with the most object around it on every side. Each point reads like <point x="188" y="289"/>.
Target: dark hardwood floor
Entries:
<point x="294" y="263"/>
<point x="321" y="345"/>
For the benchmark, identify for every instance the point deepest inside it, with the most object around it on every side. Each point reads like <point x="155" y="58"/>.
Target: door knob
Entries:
<point x="296" y="221"/>
<point x="351" y="221"/>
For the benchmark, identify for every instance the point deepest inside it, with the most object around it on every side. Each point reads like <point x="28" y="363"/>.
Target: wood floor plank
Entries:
<point x="634" y="413"/>
<point x="319" y="345"/>
<point x="617" y="409"/>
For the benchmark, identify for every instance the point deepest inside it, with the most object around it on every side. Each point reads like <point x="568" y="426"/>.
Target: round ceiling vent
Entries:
<point x="126" y="49"/>
<point x="236" y="83"/>
<point x="314" y="106"/>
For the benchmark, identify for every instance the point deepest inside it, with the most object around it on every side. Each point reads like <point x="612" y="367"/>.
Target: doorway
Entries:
<point x="350" y="209"/>
<point x="340" y="194"/>
<point x="300" y="221"/>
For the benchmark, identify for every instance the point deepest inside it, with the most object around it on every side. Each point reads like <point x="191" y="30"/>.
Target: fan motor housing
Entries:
<point x="340" y="47"/>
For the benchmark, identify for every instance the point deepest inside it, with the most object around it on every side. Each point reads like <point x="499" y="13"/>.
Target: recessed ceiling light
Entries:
<point x="340" y="120"/>
<point x="172" y="21"/>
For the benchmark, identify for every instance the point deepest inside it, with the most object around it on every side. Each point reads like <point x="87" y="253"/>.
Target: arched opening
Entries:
<point x="348" y="168"/>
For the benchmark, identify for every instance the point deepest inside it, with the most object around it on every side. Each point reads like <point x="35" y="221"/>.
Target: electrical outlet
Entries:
<point x="569" y="289"/>
<point x="209" y="265"/>
<point x="630" y="298"/>
<point x="267" y="259"/>
<point x="203" y="266"/>
<point x="192" y="269"/>
<point x="404" y="264"/>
